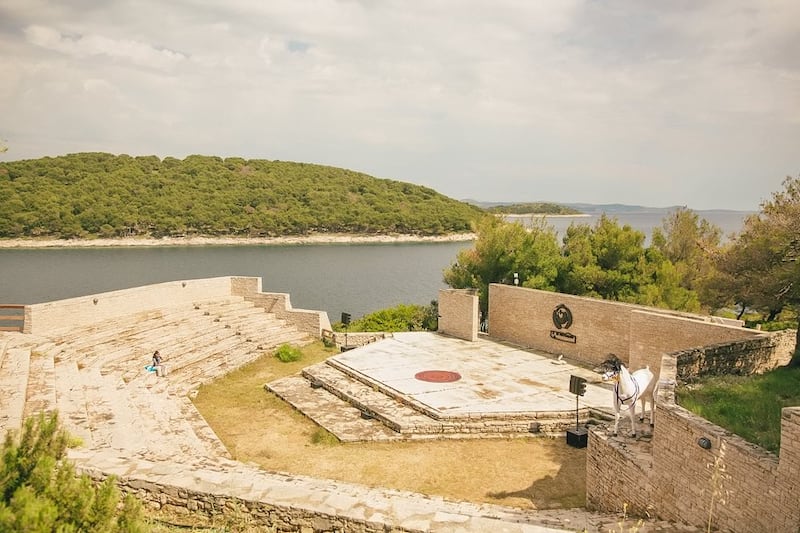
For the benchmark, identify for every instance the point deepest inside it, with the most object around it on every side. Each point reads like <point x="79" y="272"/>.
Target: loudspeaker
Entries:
<point x="578" y="437"/>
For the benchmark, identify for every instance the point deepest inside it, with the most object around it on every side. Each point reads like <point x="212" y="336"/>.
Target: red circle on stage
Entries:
<point x="438" y="376"/>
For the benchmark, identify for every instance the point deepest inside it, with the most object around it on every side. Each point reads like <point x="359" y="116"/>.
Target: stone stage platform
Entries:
<point x="425" y="385"/>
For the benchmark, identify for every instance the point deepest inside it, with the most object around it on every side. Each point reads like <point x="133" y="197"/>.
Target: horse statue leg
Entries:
<point x="632" y="415"/>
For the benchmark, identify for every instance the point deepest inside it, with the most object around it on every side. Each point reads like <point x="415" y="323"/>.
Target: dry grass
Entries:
<point x="258" y="427"/>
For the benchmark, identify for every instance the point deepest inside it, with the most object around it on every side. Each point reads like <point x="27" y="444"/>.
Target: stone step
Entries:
<point x="89" y="347"/>
<point x="190" y="333"/>
<point x="370" y="401"/>
<point x="71" y="401"/>
<point x="177" y="364"/>
<point x="213" y="445"/>
<point x="112" y="420"/>
<point x="196" y="345"/>
<point x="14" y="374"/>
<point x="143" y="323"/>
<point x="143" y="420"/>
<point x="40" y="395"/>
<point x="330" y="411"/>
<point x="180" y="337"/>
<point x="199" y="372"/>
<point x="164" y="417"/>
<point x="185" y="326"/>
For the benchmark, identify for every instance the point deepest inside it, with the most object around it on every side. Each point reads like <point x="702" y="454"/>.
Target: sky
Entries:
<point x="680" y="102"/>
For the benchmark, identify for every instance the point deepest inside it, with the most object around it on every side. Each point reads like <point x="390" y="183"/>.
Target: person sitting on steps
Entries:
<point x="157" y="363"/>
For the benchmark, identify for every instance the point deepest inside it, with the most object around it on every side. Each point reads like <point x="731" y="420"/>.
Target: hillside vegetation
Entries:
<point x="104" y="195"/>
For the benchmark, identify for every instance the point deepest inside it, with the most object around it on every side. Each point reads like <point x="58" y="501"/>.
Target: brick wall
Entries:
<point x="636" y="334"/>
<point x="525" y="317"/>
<point x="652" y="334"/>
<point x="458" y="313"/>
<point x="617" y="479"/>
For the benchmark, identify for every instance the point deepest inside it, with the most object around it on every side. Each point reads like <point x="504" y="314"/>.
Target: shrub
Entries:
<point x="42" y="493"/>
<point x="324" y="437"/>
<point x="402" y="317"/>
<point x="287" y="353"/>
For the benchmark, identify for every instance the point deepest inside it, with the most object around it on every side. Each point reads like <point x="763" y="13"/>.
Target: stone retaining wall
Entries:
<point x="86" y="310"/>
<point x="179" y="500"/>
<point x="759" y="489"/>
<point x="356" y="338"/>
<point x="279" y="304"/>
<point x="745" y="357"/>
<point x="653" y="334"/>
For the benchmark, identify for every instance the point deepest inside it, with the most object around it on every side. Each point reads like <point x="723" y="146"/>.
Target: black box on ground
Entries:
<point x="578" y="437"/>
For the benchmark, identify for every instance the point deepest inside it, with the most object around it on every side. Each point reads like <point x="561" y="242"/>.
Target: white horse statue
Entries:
<point x="629" y="388"/>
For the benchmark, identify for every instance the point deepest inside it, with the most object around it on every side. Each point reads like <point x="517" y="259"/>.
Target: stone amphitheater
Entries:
<point x="85" y="358"/>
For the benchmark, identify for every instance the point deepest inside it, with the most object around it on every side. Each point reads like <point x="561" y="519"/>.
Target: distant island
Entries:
<point x="88" y="196"/>
<point x="533" y="208"/>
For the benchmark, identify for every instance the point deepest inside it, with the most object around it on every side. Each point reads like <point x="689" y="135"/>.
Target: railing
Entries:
<point x="12" y="317"/>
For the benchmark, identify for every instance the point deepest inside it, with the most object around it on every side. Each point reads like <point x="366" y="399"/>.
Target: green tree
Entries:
<point x="605" y="261"/>
<point x="502" y="249"/>
<point x="96" y="194"/>
<point x="760" y="269"/>
<point x="690" y="243"/>
<point x="41" y="492"/>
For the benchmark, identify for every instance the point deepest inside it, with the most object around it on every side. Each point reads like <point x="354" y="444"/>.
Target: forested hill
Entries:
<point x="99" y="194"/>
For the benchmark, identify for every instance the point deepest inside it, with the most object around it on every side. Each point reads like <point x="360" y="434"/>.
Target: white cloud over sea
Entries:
<point x="662" y="103"/>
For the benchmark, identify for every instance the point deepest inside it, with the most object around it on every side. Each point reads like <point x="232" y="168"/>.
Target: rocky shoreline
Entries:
<point x="320" y="238"/>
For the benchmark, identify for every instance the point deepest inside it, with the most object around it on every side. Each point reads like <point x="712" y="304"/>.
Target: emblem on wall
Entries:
<point x="562" y="320"/>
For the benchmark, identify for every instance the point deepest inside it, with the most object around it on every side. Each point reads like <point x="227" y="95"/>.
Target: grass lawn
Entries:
<point x="749" y="406"/>
<point x="258" y="427"/>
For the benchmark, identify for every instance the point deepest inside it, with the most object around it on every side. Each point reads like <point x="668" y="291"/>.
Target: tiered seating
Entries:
<point x="41" y="392"/>
<point x="95" y="375"/>
<point x="14" y="371"/>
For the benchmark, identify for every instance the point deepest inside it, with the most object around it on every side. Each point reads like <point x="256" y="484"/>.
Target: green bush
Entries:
<point x="399" y="318"/>
<point x="287" y="353"/>
<point x="42" y="493"/>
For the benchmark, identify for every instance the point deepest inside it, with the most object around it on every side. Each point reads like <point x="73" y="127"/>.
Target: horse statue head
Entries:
<point x="611" y="368"/>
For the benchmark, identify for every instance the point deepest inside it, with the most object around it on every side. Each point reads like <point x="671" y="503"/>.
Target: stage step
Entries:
<point x="330" y="411"/>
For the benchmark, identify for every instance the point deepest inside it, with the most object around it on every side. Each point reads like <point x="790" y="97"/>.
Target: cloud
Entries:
<point x="665" y="103"/>
<point x="82" y="46"/>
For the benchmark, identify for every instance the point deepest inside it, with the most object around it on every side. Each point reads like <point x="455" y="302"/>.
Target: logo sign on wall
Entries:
<point x="562" y="320"/>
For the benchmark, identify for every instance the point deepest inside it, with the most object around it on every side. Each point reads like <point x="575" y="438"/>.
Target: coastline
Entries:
<point x="317" y="238"/>
<point x="544" y="215"/>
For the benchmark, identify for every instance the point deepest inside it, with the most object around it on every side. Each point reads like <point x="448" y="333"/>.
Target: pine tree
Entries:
<point x="41" y="491"/>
